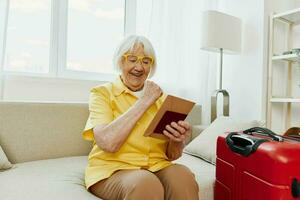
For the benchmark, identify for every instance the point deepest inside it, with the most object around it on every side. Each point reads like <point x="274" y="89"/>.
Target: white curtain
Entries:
<point x="3" y="6"/>
<point x="174" y="29"/>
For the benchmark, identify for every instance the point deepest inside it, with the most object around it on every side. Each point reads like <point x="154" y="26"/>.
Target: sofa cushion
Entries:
<point x="61" y="178"/>
<point x="204" y="145"/>
<point x="204" y="174"/>
<point x="4" y="163"/>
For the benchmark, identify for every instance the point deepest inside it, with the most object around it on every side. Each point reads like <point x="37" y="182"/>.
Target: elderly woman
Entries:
<point x="123" y="163"/>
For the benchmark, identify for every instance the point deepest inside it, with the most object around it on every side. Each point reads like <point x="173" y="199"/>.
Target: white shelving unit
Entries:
<point x="290" y="57"/>
<point x="284" y="100"/>
<point x="290" y="18"/>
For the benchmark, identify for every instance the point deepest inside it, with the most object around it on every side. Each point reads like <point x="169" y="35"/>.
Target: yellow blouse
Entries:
<point x="107" y="102"/>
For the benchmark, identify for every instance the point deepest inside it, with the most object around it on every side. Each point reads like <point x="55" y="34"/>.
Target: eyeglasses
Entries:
<point x="145" y="60"/>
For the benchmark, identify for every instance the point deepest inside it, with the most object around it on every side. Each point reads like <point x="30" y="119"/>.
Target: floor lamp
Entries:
<point x="220" y="33"/>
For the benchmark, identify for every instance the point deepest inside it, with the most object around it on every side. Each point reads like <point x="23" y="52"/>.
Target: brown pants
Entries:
<point x="171" y="183"/>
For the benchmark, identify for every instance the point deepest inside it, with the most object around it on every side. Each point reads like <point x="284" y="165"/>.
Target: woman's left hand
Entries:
<point x="178" y="132"/>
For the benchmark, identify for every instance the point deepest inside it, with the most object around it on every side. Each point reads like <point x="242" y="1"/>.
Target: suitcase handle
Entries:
<point x="264" y="131"/>
<point x="242" y="144"/>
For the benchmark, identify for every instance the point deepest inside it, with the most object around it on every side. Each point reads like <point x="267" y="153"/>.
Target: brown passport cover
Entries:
<point x="173" y="109"/>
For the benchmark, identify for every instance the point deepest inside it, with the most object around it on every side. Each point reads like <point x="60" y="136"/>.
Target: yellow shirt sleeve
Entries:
<point x="100" y="111"/>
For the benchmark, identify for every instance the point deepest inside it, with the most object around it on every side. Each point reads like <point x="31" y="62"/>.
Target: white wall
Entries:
<point x="278" y="6"/>
<point x="243" y="73"/>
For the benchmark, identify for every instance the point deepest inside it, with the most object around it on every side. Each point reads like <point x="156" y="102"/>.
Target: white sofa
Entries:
<point x="43" y="142"/>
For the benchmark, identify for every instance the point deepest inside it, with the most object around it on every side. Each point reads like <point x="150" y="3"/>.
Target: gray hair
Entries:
<point x="127" y="45"/>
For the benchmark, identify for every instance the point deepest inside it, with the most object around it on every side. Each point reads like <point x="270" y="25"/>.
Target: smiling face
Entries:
<point x="135" y="72"/>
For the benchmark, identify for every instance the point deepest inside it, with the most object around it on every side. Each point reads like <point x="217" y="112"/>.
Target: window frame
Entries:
<point x="58" y="44"/>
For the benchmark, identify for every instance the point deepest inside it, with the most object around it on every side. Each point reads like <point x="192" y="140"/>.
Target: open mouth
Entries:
<point x="137" y="74"/>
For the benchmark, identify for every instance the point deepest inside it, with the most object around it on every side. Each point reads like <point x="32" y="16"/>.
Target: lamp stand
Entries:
<point x="214" y="96"/>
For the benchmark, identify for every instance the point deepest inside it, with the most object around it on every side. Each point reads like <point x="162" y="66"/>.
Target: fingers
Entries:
<point x="151" y="84"/>
<point x="185" y="124"/>
<point x="177" y="131"/>
<point x="178" y="127"/>
<point x="173" y="131"/>
<point x="172" y="137"/>
<point x="152" y="90"/>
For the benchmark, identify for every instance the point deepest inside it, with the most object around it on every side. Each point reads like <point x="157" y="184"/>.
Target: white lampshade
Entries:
<point x="220" y="30"/>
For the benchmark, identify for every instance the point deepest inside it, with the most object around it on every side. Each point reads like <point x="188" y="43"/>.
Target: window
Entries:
<point x="28" y="36"/>
<point x="63" y="38"/>
<point x="94" y="30"/>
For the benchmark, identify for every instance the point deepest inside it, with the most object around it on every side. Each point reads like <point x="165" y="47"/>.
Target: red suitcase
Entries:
<point x="257" y="165"/>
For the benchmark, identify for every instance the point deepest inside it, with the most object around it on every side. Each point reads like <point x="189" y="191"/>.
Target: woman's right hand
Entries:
<point x="152" y="92"/>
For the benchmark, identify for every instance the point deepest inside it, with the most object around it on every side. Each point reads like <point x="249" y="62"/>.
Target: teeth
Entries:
<point x="137" y="75"/>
